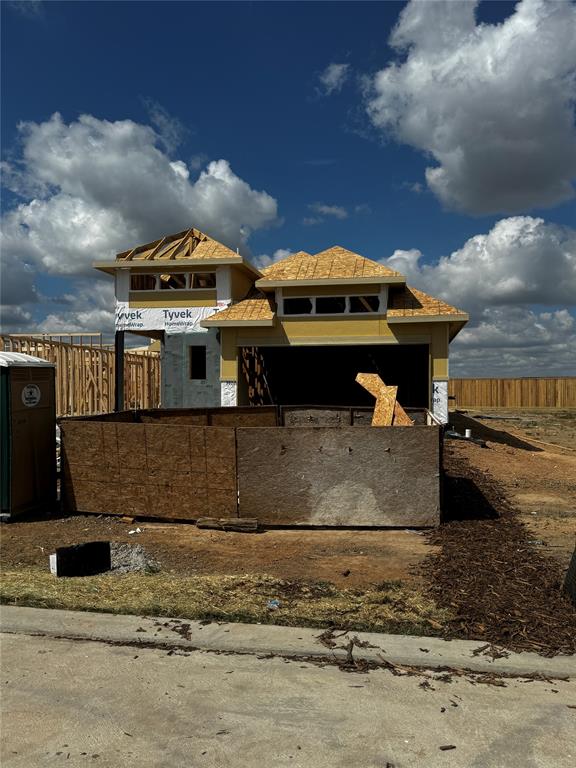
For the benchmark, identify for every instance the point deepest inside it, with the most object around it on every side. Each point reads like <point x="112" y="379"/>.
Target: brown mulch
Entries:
<point x="501" y="588"/>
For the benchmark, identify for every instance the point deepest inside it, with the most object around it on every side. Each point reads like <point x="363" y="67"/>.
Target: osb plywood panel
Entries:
<point x="336" y="262"/>
<point x="256" y="306"/>
<point x="196" y="417"/>
<point x="340" y="476"/>
<point x="410" y="302"/>
<point x="316" y="417"/>
<point x="149" y="470"/>
<point x="251" y="416"/>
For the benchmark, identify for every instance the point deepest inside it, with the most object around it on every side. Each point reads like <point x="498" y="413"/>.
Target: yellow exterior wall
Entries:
<point x="316" y="330"/>
<point x="147" y="299"/>
<point x="240" y="284"/>
<point x="439" y="350"/>
<point x="365" y="330"/>
<point x="228" y="355"/>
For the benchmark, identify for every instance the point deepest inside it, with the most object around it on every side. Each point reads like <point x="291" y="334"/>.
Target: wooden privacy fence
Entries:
<point x="514" y="393"/>
<point x="85" y="372"/>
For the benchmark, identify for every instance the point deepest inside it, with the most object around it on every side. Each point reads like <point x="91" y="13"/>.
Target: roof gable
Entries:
<point x="189" y="244"/>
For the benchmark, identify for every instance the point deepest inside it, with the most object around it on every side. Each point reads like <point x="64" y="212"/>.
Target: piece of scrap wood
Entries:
<point x="374" y="384"/>
<point x="242" y="524"/>
<point x="401" y="418"/>
<point x="385" y="398"/>
<point x="371" y="382"/>
<point x="384" y="408"/>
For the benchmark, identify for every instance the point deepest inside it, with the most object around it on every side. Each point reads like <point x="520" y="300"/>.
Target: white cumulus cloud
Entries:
<point x="91" y="188"/>
<point x="522" y="260"/>
<point x="264" y="259"/>
<point x="516" y="341"/>
<point x="503" y="279"/>
<point x="493" y="104"/>
<point x="102" y="186"/>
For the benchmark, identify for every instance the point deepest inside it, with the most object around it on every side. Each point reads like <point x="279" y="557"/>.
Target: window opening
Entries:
<point x="175" y="282"/>
<point x="198" y="362"/>
<point x="142" y="282"/>
<point x="204" y="280"/>
<point x="330" y="305"/>
<point x="297" y="306"/>
<point x="364" y="303"/>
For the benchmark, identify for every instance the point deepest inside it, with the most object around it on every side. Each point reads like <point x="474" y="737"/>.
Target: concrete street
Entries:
<point x="84" y="703"/>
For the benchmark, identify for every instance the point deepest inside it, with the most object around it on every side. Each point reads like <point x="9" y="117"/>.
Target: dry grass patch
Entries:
<point x="388" y="607"/>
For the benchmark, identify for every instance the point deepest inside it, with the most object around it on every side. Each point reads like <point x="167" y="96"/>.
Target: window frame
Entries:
<point x="170" y="274"/>
<point x="346" y="312"/>
<point x="156" y="277"/>
<point x="166" y="291"/>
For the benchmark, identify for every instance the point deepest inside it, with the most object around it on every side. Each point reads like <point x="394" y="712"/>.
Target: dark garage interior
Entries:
<point x="325" y="375"/>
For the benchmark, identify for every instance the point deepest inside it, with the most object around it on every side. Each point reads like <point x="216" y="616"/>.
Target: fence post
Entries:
<point x="119" y="371"/>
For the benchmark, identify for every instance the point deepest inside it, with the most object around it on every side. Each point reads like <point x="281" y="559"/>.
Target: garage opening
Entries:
<point x="325" y="375"/>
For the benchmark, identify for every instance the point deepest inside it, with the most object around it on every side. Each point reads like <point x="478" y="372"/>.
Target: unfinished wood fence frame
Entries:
<point x="85" y="372"/>
<point x="553" y="392"/>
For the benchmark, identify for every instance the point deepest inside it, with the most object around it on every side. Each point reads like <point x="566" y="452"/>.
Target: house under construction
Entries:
<point x="296" y="332"/>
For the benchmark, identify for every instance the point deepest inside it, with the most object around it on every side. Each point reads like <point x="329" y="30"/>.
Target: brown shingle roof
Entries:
<point x="256" y="307"/>
<point x="410" y="302"/>
<point x="190" y="244"/>
<point x="336" y="262"/>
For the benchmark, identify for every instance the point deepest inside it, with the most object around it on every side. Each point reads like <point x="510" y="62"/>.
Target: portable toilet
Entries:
<point x="27" y="434"/>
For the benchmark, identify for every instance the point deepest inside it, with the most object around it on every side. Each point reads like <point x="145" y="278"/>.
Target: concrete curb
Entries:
<point x="257" y="639"/>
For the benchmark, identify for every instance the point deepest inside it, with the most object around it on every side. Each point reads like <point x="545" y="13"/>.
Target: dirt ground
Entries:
<point x="345" y="558"/>
<point x="537" y="478"/>
<point x="552" y="426"/>
<point x="540" y="480"/>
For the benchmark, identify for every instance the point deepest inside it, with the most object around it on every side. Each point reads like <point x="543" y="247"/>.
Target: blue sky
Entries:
<point x="247" y="82"/>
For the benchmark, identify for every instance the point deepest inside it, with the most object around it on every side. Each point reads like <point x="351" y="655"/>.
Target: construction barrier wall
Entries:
<point x="243" y="462"/>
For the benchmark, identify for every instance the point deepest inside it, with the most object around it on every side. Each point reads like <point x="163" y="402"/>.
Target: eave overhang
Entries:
<point x="178" y="265"/>
<point x="264" y="284"/>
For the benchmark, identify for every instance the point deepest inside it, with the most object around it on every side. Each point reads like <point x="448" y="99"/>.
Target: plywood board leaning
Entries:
<point x="385" y="398"/>
<point x="387" y="411"/>
<point x="384" y="408"/>
<point x="401" y="418"/>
